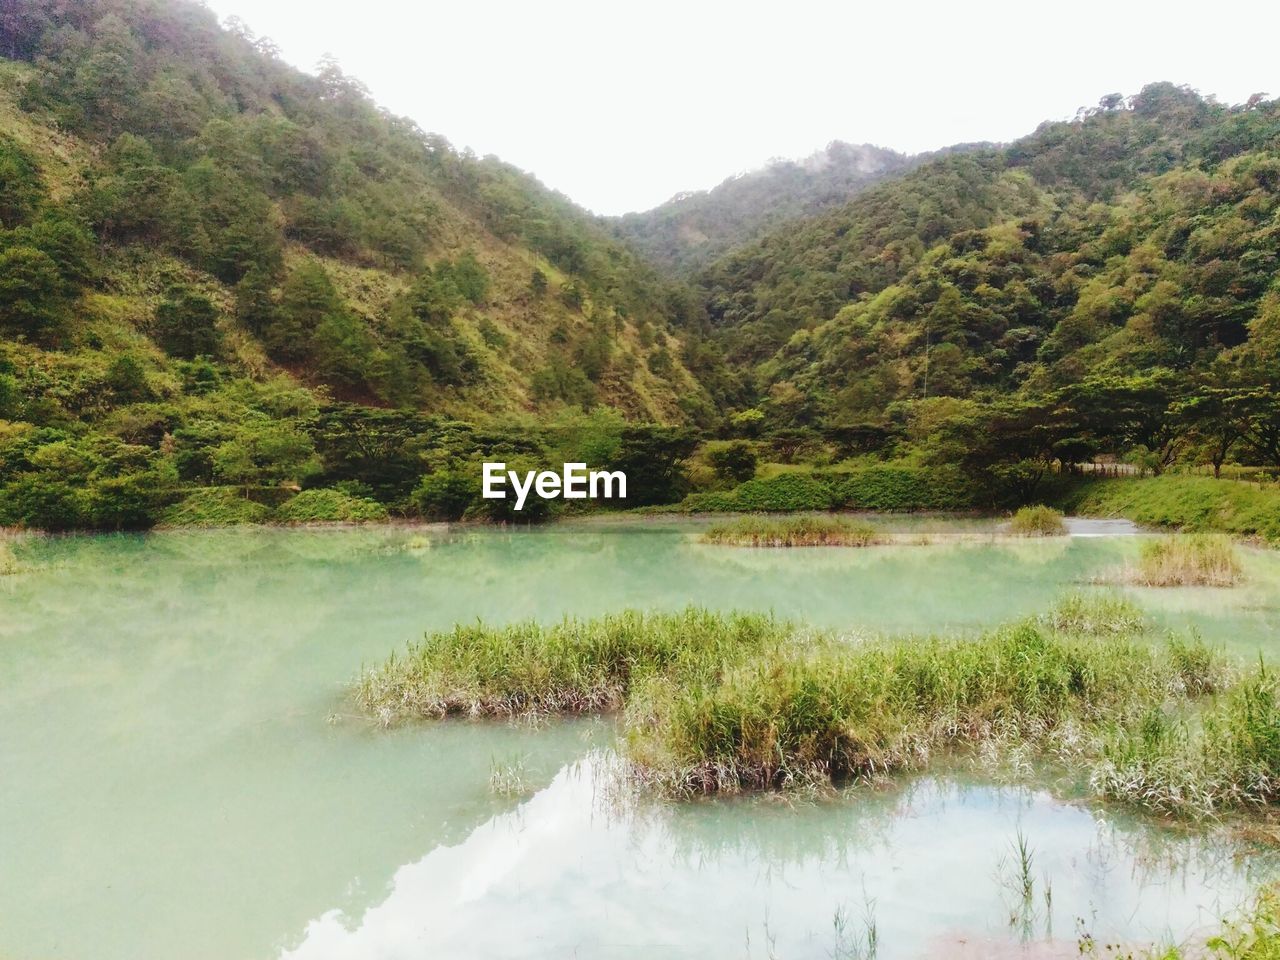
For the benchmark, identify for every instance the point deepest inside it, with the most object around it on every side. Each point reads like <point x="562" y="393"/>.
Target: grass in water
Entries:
<point x="1038" y="521"/>
<point x="1094" y="615"/>
<point x="575" y="666"/>
<point x="807" y="530"/>
<point x="1199" y="559"/>
<point x="715" y="703"/>
<point x="830" y="712"/>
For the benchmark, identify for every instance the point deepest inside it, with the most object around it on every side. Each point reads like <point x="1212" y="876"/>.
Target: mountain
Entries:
<point x="322" y="239"/>
<point x="1134" y="247"/>
<point x="692" y="229"/>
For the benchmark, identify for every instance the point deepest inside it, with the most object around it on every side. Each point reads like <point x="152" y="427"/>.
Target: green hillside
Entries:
<point x="198" y="241"/>
<point x="1104" y="286"/>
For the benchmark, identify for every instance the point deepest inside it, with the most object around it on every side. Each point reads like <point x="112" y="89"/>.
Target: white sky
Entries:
<point x="620" y="105"/>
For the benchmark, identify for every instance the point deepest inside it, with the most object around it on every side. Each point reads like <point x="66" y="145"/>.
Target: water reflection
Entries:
<point x="570" y="874"/>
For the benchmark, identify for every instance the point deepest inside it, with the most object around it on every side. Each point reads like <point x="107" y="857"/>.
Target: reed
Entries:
<point x="1037" y="521"/>
<point x="1094" y="615"/>
<point x="575" y="666"/>
<point x="806" y="530"/>
<point x="721" y="703"/>
<point x="1199" y="559"/>
<point x="9" y="564"/>
<point x="827" y="712"/>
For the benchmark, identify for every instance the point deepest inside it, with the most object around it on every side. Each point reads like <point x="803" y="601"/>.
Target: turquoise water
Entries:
<point x="182" y="776"/>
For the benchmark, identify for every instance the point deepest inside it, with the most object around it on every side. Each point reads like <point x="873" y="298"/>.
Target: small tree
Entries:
<point x="733" y="462"/>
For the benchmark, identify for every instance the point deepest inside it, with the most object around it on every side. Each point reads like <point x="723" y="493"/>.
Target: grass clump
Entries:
<point x="1093" y="615"/>
<point x="720" y="703"/>
<point x="215" y="507"/>
<point x="799" y="531"/>
<point x="1037" y="521"/>
<point x="830" y="712"/>
<point x="330" y="506"/>
<point x="1227" y="756"/>
<point x="574" y="666"/>
<point x="9" y="564"/>
<point x="1198" y="559"/>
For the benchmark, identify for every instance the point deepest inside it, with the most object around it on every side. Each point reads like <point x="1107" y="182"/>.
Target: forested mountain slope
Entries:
<point x="196" y="238"/>
<point x="1122" y="266"/>
<point x="692" y="229"/>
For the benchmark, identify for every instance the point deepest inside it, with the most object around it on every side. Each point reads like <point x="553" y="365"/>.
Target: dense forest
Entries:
<point x="216" y="270"/>
<point x="1103" y="287"/>
<point x="231" y="290"/>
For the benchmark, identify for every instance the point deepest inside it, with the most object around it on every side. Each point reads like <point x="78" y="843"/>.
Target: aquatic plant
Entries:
<point x="1037" y="521"/>
<point x="573" y="666"/>
<point x="1226" y="756"/>
<point x="1094" y="615"/>
<point x="808" y="530"/>
<point x="1199" y="559"/>
<point x="830" y="712"/>
<point x="1253" y="936"/>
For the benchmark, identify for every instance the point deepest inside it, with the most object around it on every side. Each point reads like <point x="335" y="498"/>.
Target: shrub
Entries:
<point x="1198" y="559"/>
<point x="214" y="507"/>
<point x="328" y="505"/>
<point x="1038" y="521"/>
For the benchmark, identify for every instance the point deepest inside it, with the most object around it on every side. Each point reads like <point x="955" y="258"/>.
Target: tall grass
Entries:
<point x="720" y="703"/>
<point x="9" y="564"/>
<point x="1037" y="521"/>
<point x="798" y="531"/>
<point x="1226" y="756"/>
<point x="829" y="712"/>
<point x="574" y="666"/>
<point x="1093" y="615"/>
<point x="1200" y="559"/>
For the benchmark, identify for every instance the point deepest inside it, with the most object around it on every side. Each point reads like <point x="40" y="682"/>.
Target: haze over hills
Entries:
<point x="693" y="228"/>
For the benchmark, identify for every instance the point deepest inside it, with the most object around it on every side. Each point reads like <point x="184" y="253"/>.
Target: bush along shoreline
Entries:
<point x="716" y="703"/>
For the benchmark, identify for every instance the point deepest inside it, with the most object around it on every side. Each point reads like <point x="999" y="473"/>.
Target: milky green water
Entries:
<point x="180" y="775"/>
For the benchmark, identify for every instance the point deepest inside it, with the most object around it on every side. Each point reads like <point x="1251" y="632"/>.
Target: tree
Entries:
<point x="265" y="452"/>
<point x="20" y="187"/>
<point x="733" y="462"/>
<point x="31" y="291"/>
<point x="186" y="324"/>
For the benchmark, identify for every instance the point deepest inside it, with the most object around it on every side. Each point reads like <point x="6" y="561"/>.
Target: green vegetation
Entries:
<point x="9" y="564"/>
<point x="1196" y="504"/>
<point x="572" y="667"/>
<point x="1091" y="615"/>
<point x="319" y="506"/>
<point x="1226" y="756"/>
<point x="824" y="711"/>
<point x="873" y="487"/>
<point x="1037" y="521"/>
<point x="1190" y="560"/>
<point x="216" y="270"/>
<point x="717" y="703"/>
<point x="1255" y="936"/>
<point x="694" y="228"/>
<point x="800" y="531"/>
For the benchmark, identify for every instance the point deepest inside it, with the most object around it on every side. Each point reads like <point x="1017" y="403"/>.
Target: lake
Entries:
<point x="183" y="775"/>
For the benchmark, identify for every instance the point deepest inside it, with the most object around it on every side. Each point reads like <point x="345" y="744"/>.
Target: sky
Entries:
<point x="622" y="105"/>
